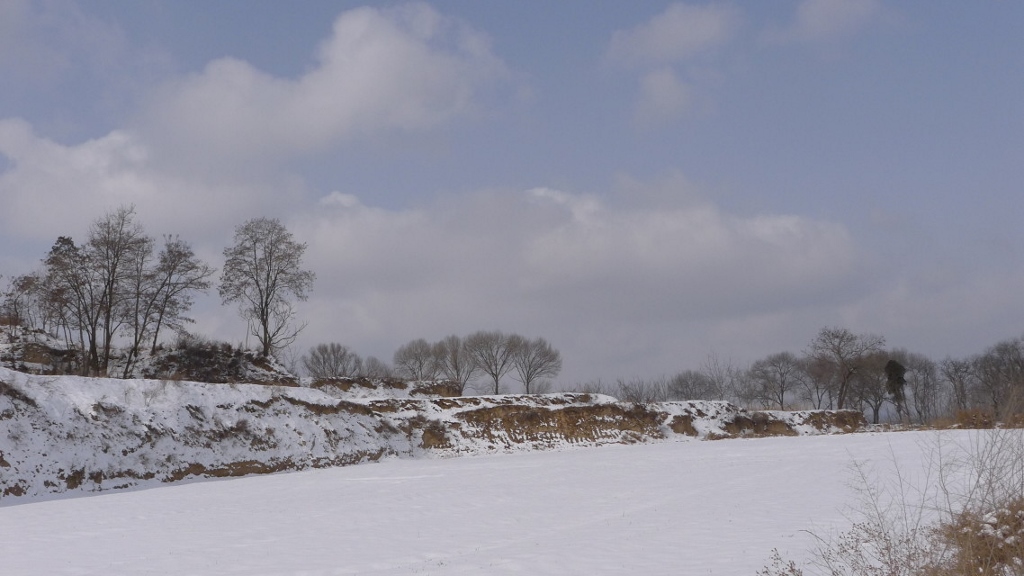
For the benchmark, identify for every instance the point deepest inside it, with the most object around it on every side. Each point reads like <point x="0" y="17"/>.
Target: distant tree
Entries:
<point x="493" y="353"/>
<point x="263" y="274"/>
<point x="179" y="275"/>
<point x="869" y="384"/>
<point x="23" y="302"/>
<point x="692" y="385"/>
<point x="773" y="377"/>
<point x="725" y="376"/>
<point x="895" y="383"/>
<point x="819" y="382"/>
<point x="961" y="377"/>
<point x="1000" y="377"/>
<point x="158" y="292"/>
<point x="923" y="392"/>
<point x="846" y="351"/>
<point x="455" y="361"/>
<point x="73" y="295"/>
<point x="640" y="391"/>
<point x="417" y="360"/>
<point x="376" y="369"/>
<point x="535" y="359"/>
<point x="332" y="361"/>
<point x="115" y="242"/>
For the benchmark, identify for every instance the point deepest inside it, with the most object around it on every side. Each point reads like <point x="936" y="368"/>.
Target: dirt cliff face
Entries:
<point x="75" y="434"/>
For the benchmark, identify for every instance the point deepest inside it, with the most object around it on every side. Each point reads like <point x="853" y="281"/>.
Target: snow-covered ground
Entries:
<point x="713" y="507"/>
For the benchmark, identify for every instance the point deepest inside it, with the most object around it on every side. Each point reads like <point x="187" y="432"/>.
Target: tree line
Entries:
<point x="490" y="356"/>
<point x="840" y="369"/>
<point x="117" y="287"/>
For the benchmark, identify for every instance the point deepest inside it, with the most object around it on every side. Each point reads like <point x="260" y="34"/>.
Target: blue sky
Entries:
<point x="642" y="183"/>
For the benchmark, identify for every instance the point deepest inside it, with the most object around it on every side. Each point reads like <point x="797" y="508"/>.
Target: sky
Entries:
<point x="642" y="184"/>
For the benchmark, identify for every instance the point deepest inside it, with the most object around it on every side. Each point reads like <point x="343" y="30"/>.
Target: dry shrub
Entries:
<point x="974" y="419"/>
<point x="980" y="525"/>
<point x="989" y="544"/>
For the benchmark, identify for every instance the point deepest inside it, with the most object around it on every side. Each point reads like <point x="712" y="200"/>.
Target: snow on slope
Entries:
<point x="67" y="434"/>
<point x="669" y="508"/>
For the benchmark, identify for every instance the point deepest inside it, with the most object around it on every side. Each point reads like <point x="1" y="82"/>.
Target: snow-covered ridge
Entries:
<point x="70" y="434"/>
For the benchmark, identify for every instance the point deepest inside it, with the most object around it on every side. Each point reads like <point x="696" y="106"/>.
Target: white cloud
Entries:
<point x="617" y="290"/>
<point x="50" y="189"/>
<point x="826" y="20"/>
<point x="663" y="98"/>
<point x="663" y="45"/>
<point x="407" y="68"/>
<point x="678" y="33"/>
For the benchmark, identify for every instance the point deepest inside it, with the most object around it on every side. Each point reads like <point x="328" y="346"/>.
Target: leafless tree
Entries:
<point x="819" y="382"/>
<point x="869" y="384"/>
<point x="115" y="242"/>
<point x="332" y="361"/>
<point x="74" y="297"/>
<point x="1000" y="377"/>
<point x="642" y="391"/>
<point x="455" y="361"/>
<point x="23" y="302"/>
<point x="417" y="360"/>
<point x="693" y="385"/>
<point x="535" y="359"/>
<point x="960" y="376"/>
<point x="158" y="292"/>
<point x="725" y="376"/>
<point x="493" y="353"/>
<point x="845" y="351"/>
<point x="376" y="369"/>
<point x="923" y="388"/>
<point x="773" y="377"/>
<point x="262" y="274"/>
<point x="179" y="275"/>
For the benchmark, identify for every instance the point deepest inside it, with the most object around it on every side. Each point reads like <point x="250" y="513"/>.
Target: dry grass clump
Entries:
<point x="980" y="518"/>
<point x="989" y="544"/>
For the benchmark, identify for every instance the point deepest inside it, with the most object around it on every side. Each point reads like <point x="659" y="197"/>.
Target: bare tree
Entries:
<point x="138" y="300"/>
<point x="493" y="353"/>
<point x="116" y="241"/>
<point x="535" y="359"/>
<point x="960" y="376"/>
<point x="417" y="360"/>
<point x="456" y="362"/>
<point x="724" y="374"/>
<point x="263" y="273"/>
<point x="869" y="384"/>
<point x="179" y="275"/>
<point x="819" y="382"/>
<point x="158" y="292"/>
<point x="693" y="385"/>
<point x="773" y="377"/>
<point x="846" y="351"/>
<point x="23" y="302"/>
<point x="74" y="297"/>
<point x="923" y="387"/>
<point x="1000" y="377"/>
<point x="332" y="361"/>
<point x="376" y="369"/>
<point x="642" y="391"/>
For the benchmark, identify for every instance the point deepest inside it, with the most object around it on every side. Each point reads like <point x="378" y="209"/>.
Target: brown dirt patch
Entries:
<point x="757" y="424"/>
<point x="683" y="424"/>
<point x="515" y="424"/>
<point x="846" y="420"/>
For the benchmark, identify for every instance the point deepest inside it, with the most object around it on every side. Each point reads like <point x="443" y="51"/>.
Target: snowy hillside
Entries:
<point x="71" y="434"/>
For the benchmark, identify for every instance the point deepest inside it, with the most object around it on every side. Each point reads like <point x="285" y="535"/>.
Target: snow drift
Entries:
<point x="69" y="434"/>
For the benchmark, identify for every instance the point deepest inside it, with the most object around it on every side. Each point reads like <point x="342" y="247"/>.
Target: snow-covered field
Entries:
<point x="712" y="507"/>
